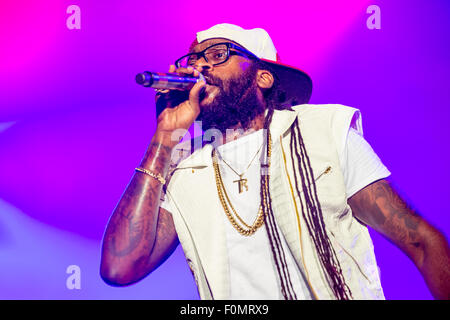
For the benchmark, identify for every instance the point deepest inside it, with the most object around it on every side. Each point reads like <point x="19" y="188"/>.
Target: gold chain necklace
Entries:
<point x="245" y="230"/>
<point x="242" y="182"/>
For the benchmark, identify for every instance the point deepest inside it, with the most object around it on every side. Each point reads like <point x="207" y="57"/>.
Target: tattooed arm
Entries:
<point x="139" y="235"/>
<point x="380" y="207"/>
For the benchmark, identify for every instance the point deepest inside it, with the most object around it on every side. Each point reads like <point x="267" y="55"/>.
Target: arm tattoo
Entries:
<point x="135" y="218"/>
<point x="379" y="206"/>
<point x="124" y="243"/>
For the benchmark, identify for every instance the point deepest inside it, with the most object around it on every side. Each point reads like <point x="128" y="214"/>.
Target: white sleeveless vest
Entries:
<point x="198" y="212"/>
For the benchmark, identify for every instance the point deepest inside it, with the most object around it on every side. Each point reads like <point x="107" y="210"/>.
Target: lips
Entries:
<point x="210" y="81"/>
<point x="209" y="92"/>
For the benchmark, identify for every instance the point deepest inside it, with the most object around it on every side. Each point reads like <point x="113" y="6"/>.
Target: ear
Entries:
<point x="264" y="79"/>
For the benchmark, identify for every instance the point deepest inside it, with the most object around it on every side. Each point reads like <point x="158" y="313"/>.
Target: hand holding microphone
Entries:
<point x="179" y="104"/>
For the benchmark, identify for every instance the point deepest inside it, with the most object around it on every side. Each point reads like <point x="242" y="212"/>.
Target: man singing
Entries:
<point x="274" y="199"/>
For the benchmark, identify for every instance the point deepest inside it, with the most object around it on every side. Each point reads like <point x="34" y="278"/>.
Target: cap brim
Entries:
<point x="294" y="82"/>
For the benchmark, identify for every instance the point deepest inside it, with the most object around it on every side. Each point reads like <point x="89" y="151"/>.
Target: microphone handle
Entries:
<point x="158" y="80"/>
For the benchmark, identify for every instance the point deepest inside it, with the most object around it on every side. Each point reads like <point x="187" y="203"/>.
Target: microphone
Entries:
<point x="158" y="80"/>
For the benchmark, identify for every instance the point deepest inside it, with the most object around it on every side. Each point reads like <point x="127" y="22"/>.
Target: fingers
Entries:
<point x="162" y="90"/>
<point x="180" y="71"/>
<point x="196" y="73"/>
<point x="172" y="94"/>
<point x="184" y="71"/>
<point x="194" y="96"/>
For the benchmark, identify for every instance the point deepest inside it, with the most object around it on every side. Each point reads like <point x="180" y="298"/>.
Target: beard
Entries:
<point x="236" y="102"/>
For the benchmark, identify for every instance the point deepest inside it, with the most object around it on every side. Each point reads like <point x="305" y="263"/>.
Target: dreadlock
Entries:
<point x="272" y="232"/>
<point x="311" y="208"/>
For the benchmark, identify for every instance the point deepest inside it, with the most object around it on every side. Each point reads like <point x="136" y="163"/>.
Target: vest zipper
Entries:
<point x="326" y="171"/>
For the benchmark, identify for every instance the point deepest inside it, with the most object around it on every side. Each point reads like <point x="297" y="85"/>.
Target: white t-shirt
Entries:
<point x="253" y="273"/>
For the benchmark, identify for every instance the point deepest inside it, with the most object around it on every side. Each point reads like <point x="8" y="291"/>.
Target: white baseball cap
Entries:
<point x="294" y="82"/>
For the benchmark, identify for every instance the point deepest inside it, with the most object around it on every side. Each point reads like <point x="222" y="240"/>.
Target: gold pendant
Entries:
<point x="242" y="182"/>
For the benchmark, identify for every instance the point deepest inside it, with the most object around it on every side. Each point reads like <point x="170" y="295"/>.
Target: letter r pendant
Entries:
<point x="242" y="183"/>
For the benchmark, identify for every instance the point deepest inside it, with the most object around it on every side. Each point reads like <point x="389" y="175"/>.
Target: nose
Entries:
<point x="202" y="65"/>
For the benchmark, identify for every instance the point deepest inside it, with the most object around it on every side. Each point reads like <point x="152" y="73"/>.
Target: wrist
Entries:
<point x="165" y="138"/>
<point x="158" y="154"/>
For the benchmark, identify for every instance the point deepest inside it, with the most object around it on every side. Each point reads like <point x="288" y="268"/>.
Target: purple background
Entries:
<point x="73" y="123"/>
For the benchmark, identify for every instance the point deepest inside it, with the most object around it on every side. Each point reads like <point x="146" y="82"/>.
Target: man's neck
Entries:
<point x="237" y="131"/>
